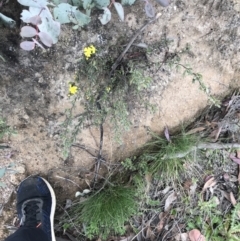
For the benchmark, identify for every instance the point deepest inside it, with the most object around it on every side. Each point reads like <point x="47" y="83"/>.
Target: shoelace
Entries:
<point x="31" y="212"/>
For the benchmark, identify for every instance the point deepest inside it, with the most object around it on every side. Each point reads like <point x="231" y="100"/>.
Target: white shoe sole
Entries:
<point x="52" y="209"/>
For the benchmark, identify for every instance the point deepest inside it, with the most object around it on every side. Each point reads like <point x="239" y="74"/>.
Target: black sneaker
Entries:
<point x="36" y="203"/>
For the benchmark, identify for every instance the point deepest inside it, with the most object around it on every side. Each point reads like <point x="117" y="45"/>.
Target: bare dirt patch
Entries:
<point x="34" y="85"/>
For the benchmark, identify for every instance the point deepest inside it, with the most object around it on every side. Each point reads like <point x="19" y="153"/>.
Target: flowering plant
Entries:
<point x="89" y="51"/>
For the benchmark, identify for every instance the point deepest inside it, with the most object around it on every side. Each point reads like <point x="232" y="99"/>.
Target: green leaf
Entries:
<point x="2" y="184"/>
<point x="2" y="171"/>
<point x="87" y="4"/>
<point x="119" y="9"/>
<point x="34" y="3"/>
<point x="80" y="18"/>
<point x="77" y="3"/>
<point x="105" y="17"/>
<point x="75" y="27"/>
<point x="63" y="12"/>
<point x="56" y="2"/>
<point x="128" y="2"/>
<point x="101" y="3"/>
<point x="8" y="22"/>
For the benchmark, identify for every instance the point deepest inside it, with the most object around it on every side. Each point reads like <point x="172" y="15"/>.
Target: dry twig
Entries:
<point x="214" y="146"/>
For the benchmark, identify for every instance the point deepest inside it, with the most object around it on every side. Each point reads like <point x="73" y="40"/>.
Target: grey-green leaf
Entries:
<point x="80" y="18"/>
<point x="128" y="2"/>
<point x="75" y="27"/>
<point x="119" y="9"/>
<point x="105" y="17"/>
<point x="86" y="3"/>
<point x="56" y="2"/>
<point x="8" y="22"/>
<point x="101" y="3"/>
<point x="2" y="171"/>
<point x="2" y="184"/>
<point x="63" y="12"/>
<point x="77" y="3"/>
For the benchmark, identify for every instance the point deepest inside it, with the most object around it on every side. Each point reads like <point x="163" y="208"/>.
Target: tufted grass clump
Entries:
<point x="164" y="157"/>
<point x="106" y="212"/>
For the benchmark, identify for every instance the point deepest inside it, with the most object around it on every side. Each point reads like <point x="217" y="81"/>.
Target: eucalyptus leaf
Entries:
<point x="35" y="20"/>
<point x="77" y="3"/>
<point x="12" y="164"/>
<point x="87" y="4"/>
<point x="128" y="2"/>
<point x="105" y="17"/>
<point x="63" y="12"/>
<point x="119" y="9"/>
<point x="80" y="18"/>
<point x="46" y="39"/>
<point x="2" y="171"/>
<point x="57" y="2"/>
<point x="28" y="31"/>
<point x="26" y="15"/>
<point x="2" y="184"/>
<point x="75" y="27"/>
<point x="149" y="9"/>
<point x="48" y="25"/>
<point x="101" y="3"/>
<point x="27" y="45"/>
<point x="34" y="3"/>
<point x="8" y="22"/>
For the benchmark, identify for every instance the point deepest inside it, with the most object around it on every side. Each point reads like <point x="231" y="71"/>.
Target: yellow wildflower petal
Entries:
<point x="93" y="49"/>
<point x="108" y="89"/>
<point x="73" y="89"/>
<point x="88" y="51"/>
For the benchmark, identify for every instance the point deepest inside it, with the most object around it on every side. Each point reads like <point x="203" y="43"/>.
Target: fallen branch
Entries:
<point x="200" y="146"/>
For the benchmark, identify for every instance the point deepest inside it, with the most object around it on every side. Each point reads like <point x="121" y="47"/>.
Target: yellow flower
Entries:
<point x="88" y="51"/>
<point x="108" y="88"/>
<point x="72" y="89"/>
<point x="93" y="49"/>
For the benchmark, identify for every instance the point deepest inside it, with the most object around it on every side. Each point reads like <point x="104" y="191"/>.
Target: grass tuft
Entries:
<point x="106" y="212"/>
<point x="163" y="155"/>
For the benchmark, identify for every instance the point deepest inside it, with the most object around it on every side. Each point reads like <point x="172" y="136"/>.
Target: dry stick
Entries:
<point x="99" y="157"/>
<point x="70" y="219"/>
<point x="64" y="178"/>
<point x="67" y="179"/>
<point x="142" y="229"/>
<point x="84" y="148"/>
<point x="215" y="146"/>
<point x="168" y="231"/>
<point x="119" y="59"/>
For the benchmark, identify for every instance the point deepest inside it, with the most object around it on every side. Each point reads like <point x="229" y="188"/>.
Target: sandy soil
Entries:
<point x="34" y="86"/>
